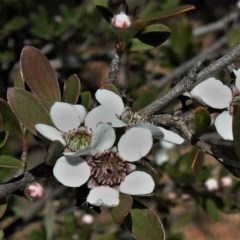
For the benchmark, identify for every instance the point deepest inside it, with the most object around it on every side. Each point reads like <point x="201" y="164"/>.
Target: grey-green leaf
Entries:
<point x="40" y="76"/>
<point x="28" y="110"/>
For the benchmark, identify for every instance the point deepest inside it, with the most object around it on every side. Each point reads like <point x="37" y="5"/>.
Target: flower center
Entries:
<point x="77" y="139"/>
<point x="108" y="168"/>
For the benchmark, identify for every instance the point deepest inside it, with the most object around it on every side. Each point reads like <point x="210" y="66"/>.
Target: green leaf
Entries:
<point x="86" y="99"/>
<point x="212" y="209"/>
<point x="9" y="120"/>
<point x="122" y="210"/>
<point x="17" y="78"/>
<point x="14" y="24"/>
<point x="197" y="162"/>
<point x="111" y="87"/>
<point x="144" y="224"/>
<point x="137" y="45"/>
<point x="102" y="6"/>
<point x="167" y="13"/>
<point x="9" y="162"/>
<point x="39" y="75"/>
<point x="54" y="152"/>
<point x="236" y="129"/>
<point x="72" y="89"/>
<point x="233" y="36"/>
<point x="202" y="121"/>
<point x="3" y="138"/>
<point x="154" y="34"/>
<point x="27" y="109"/>
<point x="3" y="207"/>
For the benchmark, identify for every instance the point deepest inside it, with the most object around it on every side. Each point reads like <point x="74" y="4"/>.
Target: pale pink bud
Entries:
<point x="172" y="195"/>
<point x="211" y="184"/>
<point x="186" y="196"/>
<point x="121" y="21"/>
<point x="226" y="181"/>
<point x="34" y="191"/>
<point x="87" y="218"/>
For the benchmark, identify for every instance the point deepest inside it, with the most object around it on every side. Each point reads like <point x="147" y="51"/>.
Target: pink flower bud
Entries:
<point x="121" y="21"/>
<point x="34" y="191"/>
<point x="87" y="218"/>
<point x="226" y="181"/>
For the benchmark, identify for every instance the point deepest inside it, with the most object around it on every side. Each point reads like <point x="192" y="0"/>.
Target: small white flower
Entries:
<point x="109" y="171"/>
<point x="112" y="110"/>
<point x="223" y="124"/>
<point x="67" y="119"/>
<point x="213" y="93"/>
<point x="121" y="21"/>
<point x="211" y="184"/>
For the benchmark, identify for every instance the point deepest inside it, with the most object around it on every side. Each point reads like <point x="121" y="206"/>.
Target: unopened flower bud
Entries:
<point x="211" y="184"/>
<point x="87" y="218"/>
<point x="226" y="181"/>
<point x="34" y="191"/>
<point x="121" y="21"/>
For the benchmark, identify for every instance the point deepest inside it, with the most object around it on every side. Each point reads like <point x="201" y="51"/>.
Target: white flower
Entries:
<point x="109" y="171"/>
<point x="223" y="124"/>
<point x="68" y="119"/>
<point x="121" y="21"/>
<point x="213" y="93"/>
<point x="112" y="110"/>
<point x="211" y="184"/>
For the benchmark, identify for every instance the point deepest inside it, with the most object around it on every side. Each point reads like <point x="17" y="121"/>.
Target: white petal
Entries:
<point x="171" y="137"/>
<point x="137" y="183"/>
<point x="103" y="138"/>
<point x="237" y="80"/>
<point x="166" y="145"/>
<point x="71" y="171"/>
<point x="81" y="110"/>
<point x="223" y="124"/>
<point x="50" y="132"/>
<point x="110" y="101"/>
<point x="64" y="116"/>
<point x="213" y="93"/>
<point x="135" y="144"/>
<point x="156" y="132"/>
<point x="101" y="115"/>
<point x="103" y="195"/>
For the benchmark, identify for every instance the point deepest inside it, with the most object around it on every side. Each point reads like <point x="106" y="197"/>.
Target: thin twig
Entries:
<point x="190" y="81"/>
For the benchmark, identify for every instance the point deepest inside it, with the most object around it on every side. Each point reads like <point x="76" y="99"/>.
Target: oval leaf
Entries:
<point x="72" y="89"/>
<point x="27" y="109"/>
<point x="102" y="6"/>
<point x="152" y="36"/>
<point x="9" y="120"/>
<point x="86" y="99"/>
<point x="9" y="162"/>
<point x="202" y="121"/>
<point x="122" y="209"/>
<point x="54" y="152"/>
<point x="39" y="75"/>
<point x="144" y="224"/>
